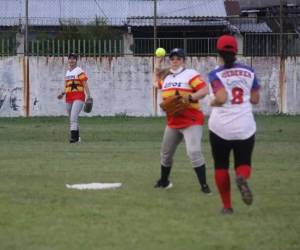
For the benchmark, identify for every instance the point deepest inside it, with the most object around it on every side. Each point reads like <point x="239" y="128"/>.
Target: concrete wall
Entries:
<point x="11" y="86"/>
<point x="123" y="85"/>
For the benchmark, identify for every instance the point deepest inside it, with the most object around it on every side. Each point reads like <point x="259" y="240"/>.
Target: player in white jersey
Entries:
<point x="231" y="123"/>
<point x="76" y="90"/>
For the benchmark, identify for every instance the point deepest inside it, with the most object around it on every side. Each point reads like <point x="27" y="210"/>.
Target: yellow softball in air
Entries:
<point x="160" y="52"/>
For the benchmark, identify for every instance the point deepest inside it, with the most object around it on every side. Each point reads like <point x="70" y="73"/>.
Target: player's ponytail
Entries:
<point x="228" y="58"/>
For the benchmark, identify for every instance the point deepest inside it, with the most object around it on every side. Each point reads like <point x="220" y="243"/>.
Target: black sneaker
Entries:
<point x="74" y="136"/>
<point x="245" y="191"/>
<point x="226" y="211"/>
<point x="74" y="141"/>
<point x="163" y="184"/>
<point x="205" y="189"/>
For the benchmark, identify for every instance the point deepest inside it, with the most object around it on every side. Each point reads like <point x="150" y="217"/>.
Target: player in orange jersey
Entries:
<point x="76" y="91"/>
<point x="188" y="125"/>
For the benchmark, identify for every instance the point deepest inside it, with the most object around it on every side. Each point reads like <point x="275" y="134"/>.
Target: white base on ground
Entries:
<point x="94" y="186"/>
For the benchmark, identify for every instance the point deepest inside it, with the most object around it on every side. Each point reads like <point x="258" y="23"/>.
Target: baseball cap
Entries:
<point x="74" y="55"/>
<point x="227" y="43"/>
<point x="177" y="52"/>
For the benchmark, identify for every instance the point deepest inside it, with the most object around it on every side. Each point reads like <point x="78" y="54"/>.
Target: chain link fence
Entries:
<point x="193" y="46"/>
<point x="97" y="28"/>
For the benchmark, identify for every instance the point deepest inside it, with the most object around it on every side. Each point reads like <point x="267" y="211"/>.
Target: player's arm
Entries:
<point x="83" y="79"/>
<point x="220" y="94"/>
<point x="200" y="87"/>
<point x="220" y="98"/>
<point x="157" y="69"/>
<point x="87" y="89"/>
<point x="61" y="95"/>
<point x="156" y="84"/>
<point x="255" y="96"/>
<point x="159" y="72"/>
<point x="200" y="93"/>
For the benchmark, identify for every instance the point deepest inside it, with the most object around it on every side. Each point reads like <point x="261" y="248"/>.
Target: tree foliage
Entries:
<point x="95" y="30"/>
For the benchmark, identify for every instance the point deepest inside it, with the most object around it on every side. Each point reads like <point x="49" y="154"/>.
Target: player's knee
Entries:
<point x="194" y="154"/>
<point x="196" y="158"/>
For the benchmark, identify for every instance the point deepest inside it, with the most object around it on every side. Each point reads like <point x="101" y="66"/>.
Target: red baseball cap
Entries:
<point x="227" y="43"/>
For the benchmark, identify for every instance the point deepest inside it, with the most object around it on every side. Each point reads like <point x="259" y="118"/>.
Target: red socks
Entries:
<point x="222" y="180"/>
<point x="243" y="170"/>
<point x="223" y="183"/>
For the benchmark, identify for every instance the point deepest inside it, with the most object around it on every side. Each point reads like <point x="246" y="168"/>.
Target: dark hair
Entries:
<point x="177" y="52"/>
<point x="73" y="55"/>
<point x="228" y="57"/>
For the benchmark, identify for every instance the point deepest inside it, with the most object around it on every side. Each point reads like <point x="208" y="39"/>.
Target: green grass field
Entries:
<point x="37" y="211"/>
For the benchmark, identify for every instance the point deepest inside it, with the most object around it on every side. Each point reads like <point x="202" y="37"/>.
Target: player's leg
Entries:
<point x="172" y="137"/>
<point x="242" y="150"/>
<point x="74" y="114"/>
<point x="69" y="109"/>
<point x="221" y="151"/>
<point x="193" y="137"/>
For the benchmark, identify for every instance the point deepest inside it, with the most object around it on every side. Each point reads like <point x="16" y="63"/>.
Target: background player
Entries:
<point x="76" y="90"/>
<point x="231" y="124"/>
<point x="188" y="125"/>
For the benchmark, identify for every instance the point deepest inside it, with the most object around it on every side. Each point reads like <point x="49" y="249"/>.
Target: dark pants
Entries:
<point x="242" y="151"/>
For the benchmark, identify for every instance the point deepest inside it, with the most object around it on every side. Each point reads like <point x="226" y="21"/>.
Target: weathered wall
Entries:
<point x="123" y="85"/>
<point x="292" y="88"/>
<point x="11" y="86"/>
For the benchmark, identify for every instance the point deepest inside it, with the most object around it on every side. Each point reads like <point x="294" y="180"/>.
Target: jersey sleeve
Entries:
<point x="215" y="82"/>
<point x="212" y="76"/>
<point x="82" y="77"/>
<point x="255" y="85"/>
<point x="216" y="85"/>
<point x="197" y="83"/>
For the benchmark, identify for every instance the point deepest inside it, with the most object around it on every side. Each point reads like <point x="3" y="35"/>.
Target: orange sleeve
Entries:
<point x="82" y="77"/>
<point x="197" y="83"/>
<point x="160" y="84"/>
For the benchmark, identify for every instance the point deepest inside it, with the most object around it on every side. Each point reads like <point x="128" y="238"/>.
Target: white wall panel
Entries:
<point x="123" y="85"/>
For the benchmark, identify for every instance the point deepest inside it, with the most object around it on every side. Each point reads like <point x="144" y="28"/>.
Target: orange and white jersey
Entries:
<point x="74" y="84"/>
<point x="185" y="82"/>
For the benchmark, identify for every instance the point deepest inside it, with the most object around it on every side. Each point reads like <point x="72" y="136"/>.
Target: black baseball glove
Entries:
<point x="88" y="105"/>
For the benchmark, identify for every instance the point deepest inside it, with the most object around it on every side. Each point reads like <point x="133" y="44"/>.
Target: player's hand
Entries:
<point x="158" y="62"/>
<point x="189" y="99"/>
<point x="60" y="96"/>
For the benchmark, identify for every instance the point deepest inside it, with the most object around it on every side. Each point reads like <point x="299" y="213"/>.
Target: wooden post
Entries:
<point x="282" y="104"/>
<point x="154" y="90"/>
<point x="26" y="91"/>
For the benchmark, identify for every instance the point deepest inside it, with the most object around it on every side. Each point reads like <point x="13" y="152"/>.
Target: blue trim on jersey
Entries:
<point x="240" y="65"/>
<point x="212" y="76"/>
<point x="255" y="84"/>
